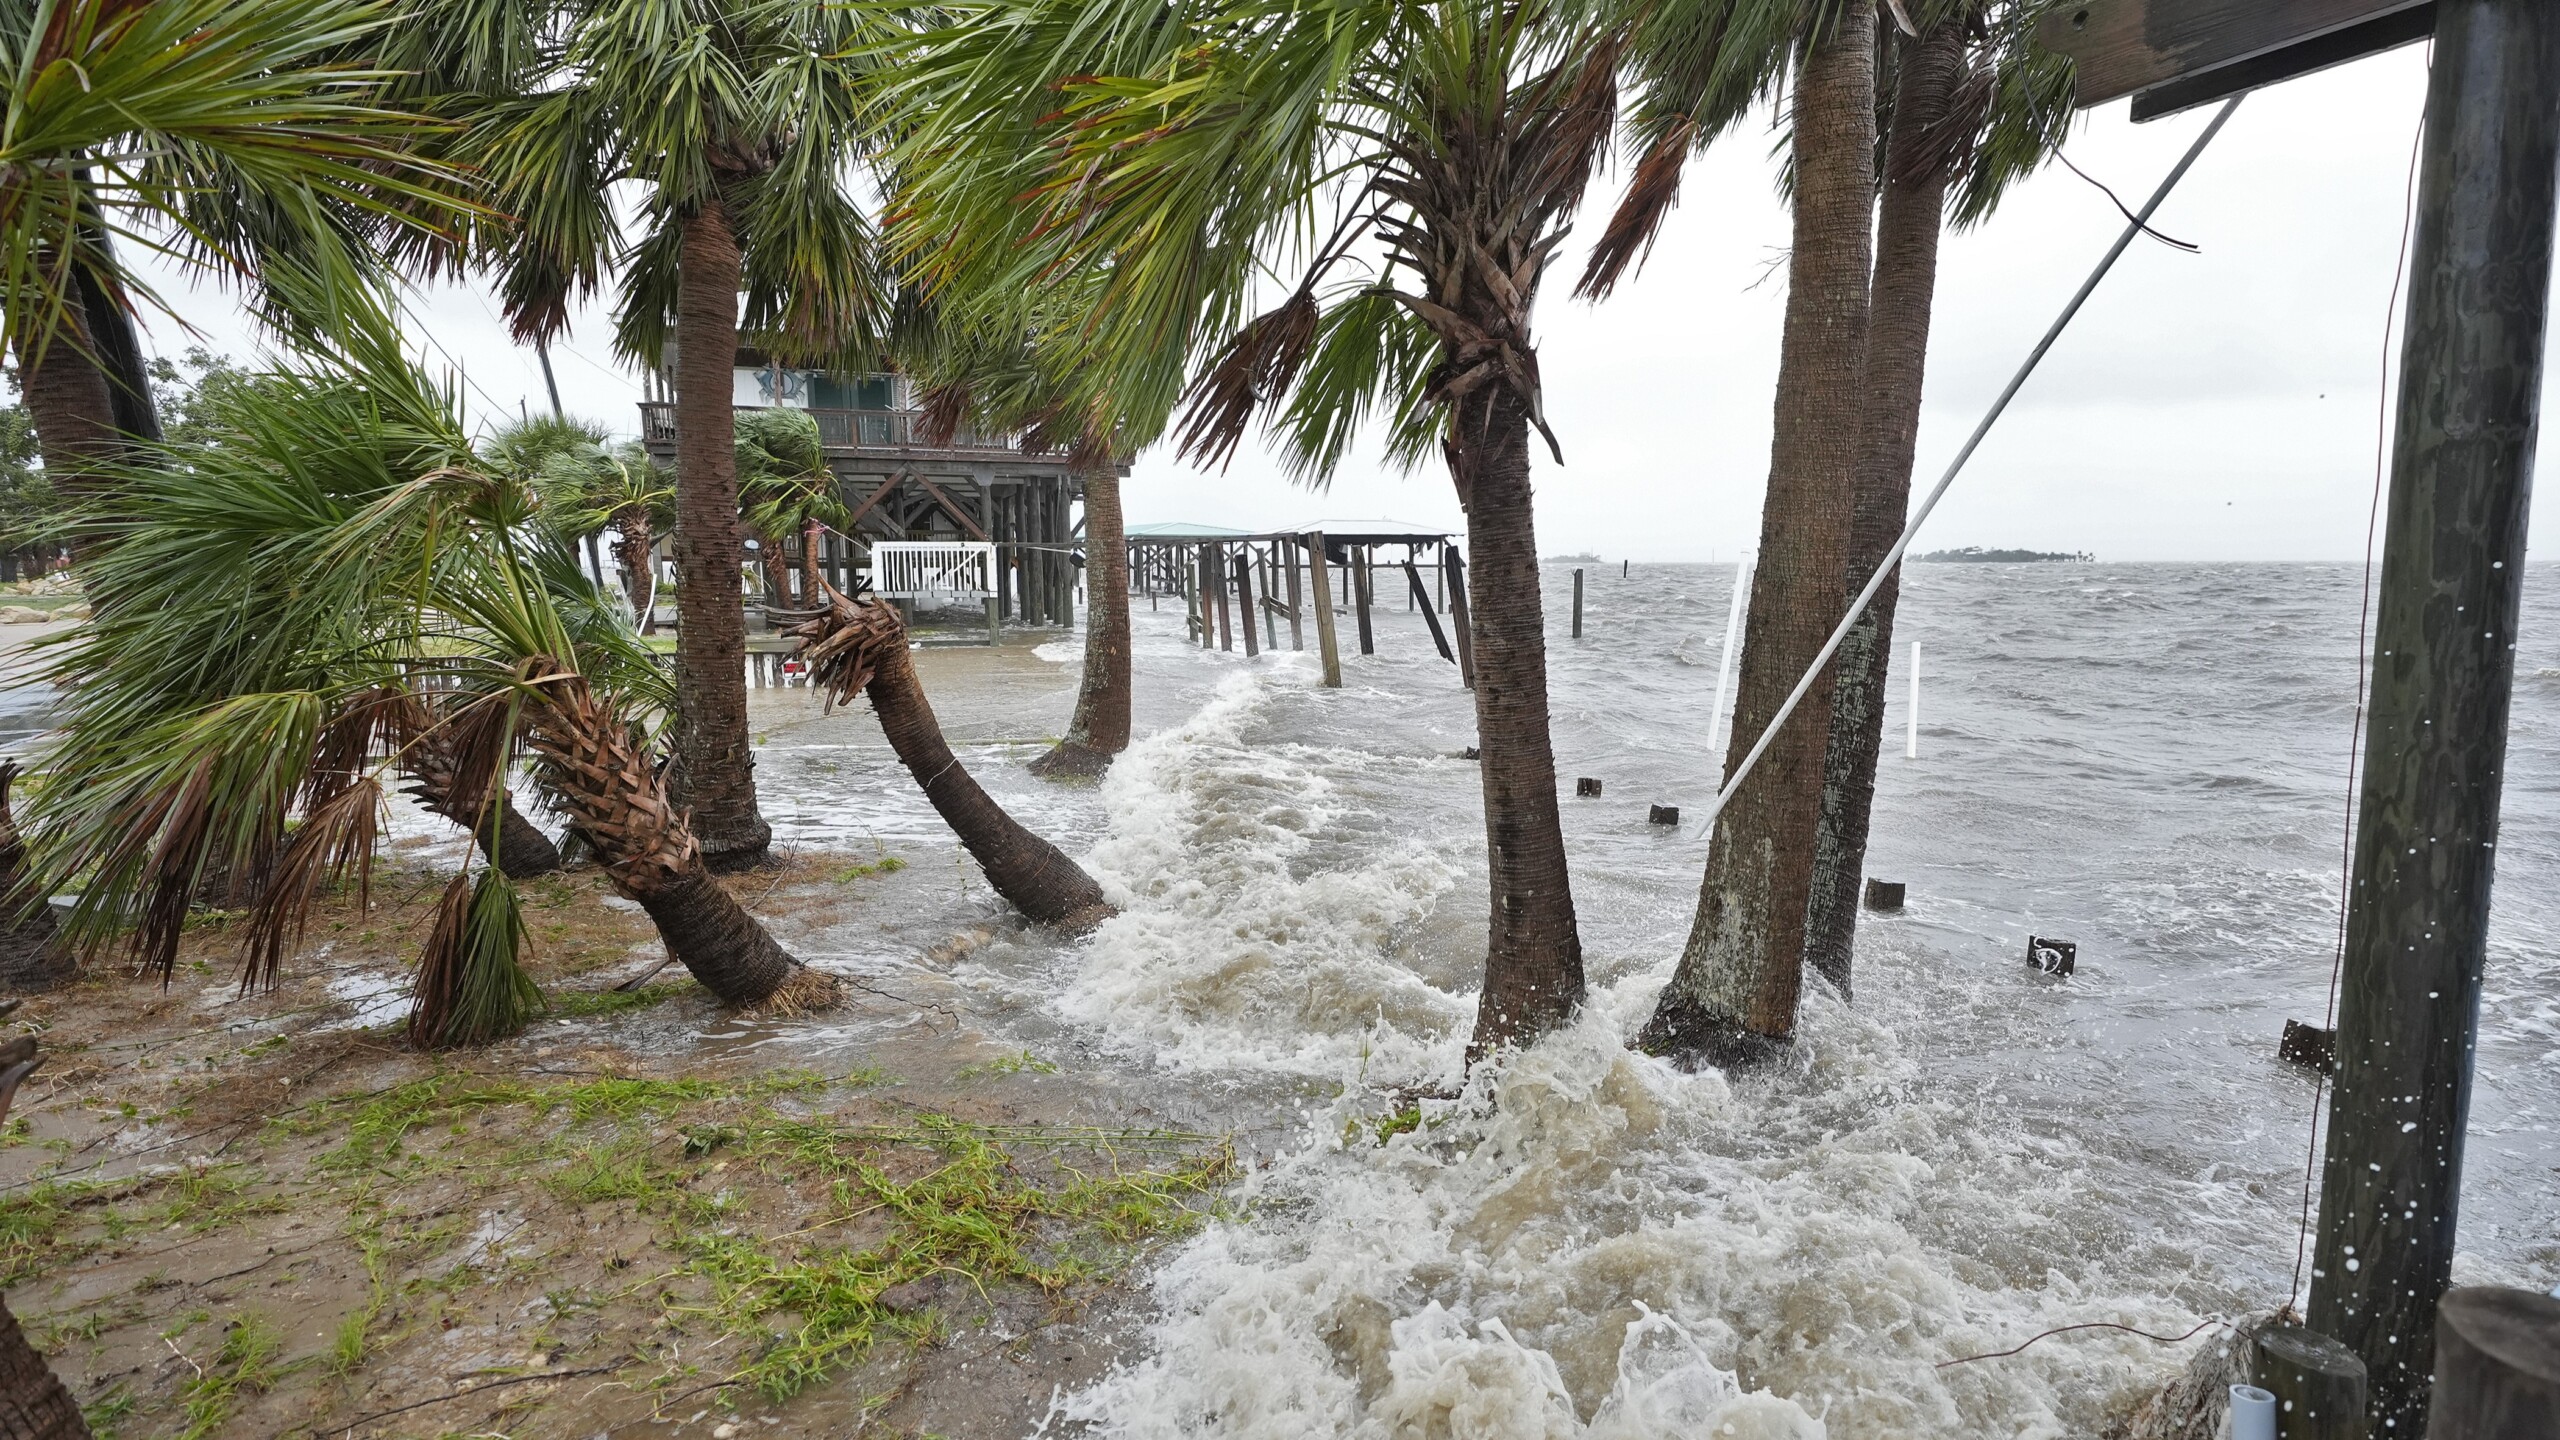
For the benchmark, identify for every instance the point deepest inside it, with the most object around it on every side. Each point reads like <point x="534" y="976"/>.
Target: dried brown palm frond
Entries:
<point x="1628" y="238"/>
<point x="333" y="843"/>
<point x="1260" y="363"/>
<point x="946" y="407"/>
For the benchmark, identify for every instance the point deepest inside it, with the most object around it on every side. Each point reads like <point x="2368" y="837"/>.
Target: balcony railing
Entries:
<point x="847" y="429"/>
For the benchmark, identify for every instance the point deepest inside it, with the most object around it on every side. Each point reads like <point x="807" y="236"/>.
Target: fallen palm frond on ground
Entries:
<point x="562" y="1238"/>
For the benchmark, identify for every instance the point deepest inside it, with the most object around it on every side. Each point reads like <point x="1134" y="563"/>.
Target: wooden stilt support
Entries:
<point x="1217" y="576"/>
<point x="2443" y="674"/>
<point x="1577" y="602"/>
<point x="1458" y="623"/>
<point x="995" y="628"/>
<point x="1205" y="583"/>
<point x="1270" y="622"/>
<point x="1297" y="607"/>
<point x="1328" y="653"/>
<point x="1360" y="597"/>
<point x="1244" y="597"/>
<point x="1422" y="598"/>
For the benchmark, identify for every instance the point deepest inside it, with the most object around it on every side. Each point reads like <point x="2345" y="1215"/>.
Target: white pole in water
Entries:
<point x="1732" y="635"/>
<point x="1911" y="745"/>
<point x="2253" y="1413"/>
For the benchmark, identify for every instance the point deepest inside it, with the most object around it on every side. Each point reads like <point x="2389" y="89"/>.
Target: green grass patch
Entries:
<point x="885" y="865"/>
<point x="244" y="1364"/>
<point x="1020" y="1063"/>
<point x="588" y="1004"/>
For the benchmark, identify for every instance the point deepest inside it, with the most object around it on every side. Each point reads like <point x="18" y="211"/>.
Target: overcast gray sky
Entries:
<point x="2218" y="405"/>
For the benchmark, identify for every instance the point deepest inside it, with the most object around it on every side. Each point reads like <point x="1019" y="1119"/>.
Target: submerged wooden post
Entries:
<point x="2443" y="674"/>
<point x="1458" y="621"/>
<point x="1200" y="588"/>
<point x="1577" y="602"/>
<point x="2497" y="1365"/>
<point x="1297" y="628"/>
<point x="1214" y="576"/>
<point x="1244" y="598"/>
<point x="1360" y="597"/>
<point x="1321" y="588"/>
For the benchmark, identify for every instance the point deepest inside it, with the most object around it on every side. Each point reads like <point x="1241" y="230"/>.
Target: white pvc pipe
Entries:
<point x="2253" y="1413"/>
<point x="1911" y="745"/>
<point x="1732" y="637"/>
<point x="1893" y="558"/>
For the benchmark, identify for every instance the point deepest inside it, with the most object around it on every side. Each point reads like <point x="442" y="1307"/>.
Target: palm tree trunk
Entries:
<point x="1533" y="978"/>
<point x="32" y="957"/>
<point x="1100" y="728"/>
<point x="1733" y="997"/>
<point x="1906" y="279"/>
<point x="715" y="768"/>
<point x="73" y="410"/>
<point x="518" y="848"/>
<point x="615" y="798"/>
<point x="864" y="647"/>
<point x="812" y="592"/>
<point x="33" y="1404"/>
<point x="639" y="569"/>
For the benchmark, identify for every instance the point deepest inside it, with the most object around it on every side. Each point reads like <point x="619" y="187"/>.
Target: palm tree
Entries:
<point x="32" y="956"/>
<point x="1420" y="162"/>
<point x="150" y="126"/>
<point x="1733" y="997"/>
<point x="861" y="647"/>
<point x="788" y="489"/>
<point x="34" y="1405"/>
<point x="741" y="121"/>
<point x="1975" y="105"/>
<point x="339" y="582"/>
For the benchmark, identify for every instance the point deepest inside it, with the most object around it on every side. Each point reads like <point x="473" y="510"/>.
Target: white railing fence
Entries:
<point x="956" y="570"/>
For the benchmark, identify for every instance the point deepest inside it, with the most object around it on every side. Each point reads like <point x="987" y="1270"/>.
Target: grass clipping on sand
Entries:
<point x="761" y="1234"/>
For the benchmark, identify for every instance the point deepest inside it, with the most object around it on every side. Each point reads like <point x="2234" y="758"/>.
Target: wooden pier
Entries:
<point x="1236" y="585"/>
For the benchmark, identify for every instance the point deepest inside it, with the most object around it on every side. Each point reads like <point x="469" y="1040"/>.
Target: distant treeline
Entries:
<point x="1976" y="555"/>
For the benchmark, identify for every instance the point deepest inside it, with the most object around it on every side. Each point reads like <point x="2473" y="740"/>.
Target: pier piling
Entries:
<point x="1328" y="652"/>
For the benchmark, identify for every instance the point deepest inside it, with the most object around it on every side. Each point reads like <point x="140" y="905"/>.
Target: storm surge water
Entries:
<point x="2148" y="760"/>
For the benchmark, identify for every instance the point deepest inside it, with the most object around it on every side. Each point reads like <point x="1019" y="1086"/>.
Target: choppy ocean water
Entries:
<point x="2146" y="759"/>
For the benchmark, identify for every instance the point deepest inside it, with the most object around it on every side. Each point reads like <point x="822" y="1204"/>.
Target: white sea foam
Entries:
<point x="1587" y="1242"/>
<point x="1231" y="950"/>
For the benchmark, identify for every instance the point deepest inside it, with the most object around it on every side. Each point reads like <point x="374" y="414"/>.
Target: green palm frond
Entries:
<point x="127" y="120"/>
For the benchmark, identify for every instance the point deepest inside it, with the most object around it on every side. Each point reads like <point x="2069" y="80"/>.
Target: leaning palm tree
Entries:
<point x="1975" y="106"/>
<point x="123" y="126"/>
<point x="1966" y="100"/>
<point x="338" y="582"/>
<point x="1416" y="166"/>
<point x="860" y="647"/>
<point x="741" y="121"/>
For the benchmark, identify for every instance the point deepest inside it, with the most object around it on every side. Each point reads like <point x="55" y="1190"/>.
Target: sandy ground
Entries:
<point x="228" y="1214"/>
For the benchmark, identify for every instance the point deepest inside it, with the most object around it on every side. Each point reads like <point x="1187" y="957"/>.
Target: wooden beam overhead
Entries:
<point x="2371" y="37"/>
<point x="953" y="510"/>
<point x="2121" y="46"/>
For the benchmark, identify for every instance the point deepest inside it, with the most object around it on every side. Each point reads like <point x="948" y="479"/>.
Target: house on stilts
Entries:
<point x="981" y="517"/>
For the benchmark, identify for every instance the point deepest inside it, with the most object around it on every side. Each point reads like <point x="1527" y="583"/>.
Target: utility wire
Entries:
<point x="1885" y="569"/>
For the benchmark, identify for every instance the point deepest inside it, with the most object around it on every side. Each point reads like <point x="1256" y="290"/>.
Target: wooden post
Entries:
<point x="1270" y="622"/>
<point x="1577" y="602"/>
<point x="2497" y="1365"/>
<point x="1297" y="626"/>
<point x="1421" y="597"/>
<point x="2318" y="1384"/>
<point x="1217" y="576"/>
<point x="1206" y="583"/>
<point x="1458" y="622"/>
<point x="1360" y="597"/>
<point x="2444" y="672"/>
<point x="1328" y="652"/>
<point x="1244" y="597"/>
<point x="995" y="628"/>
